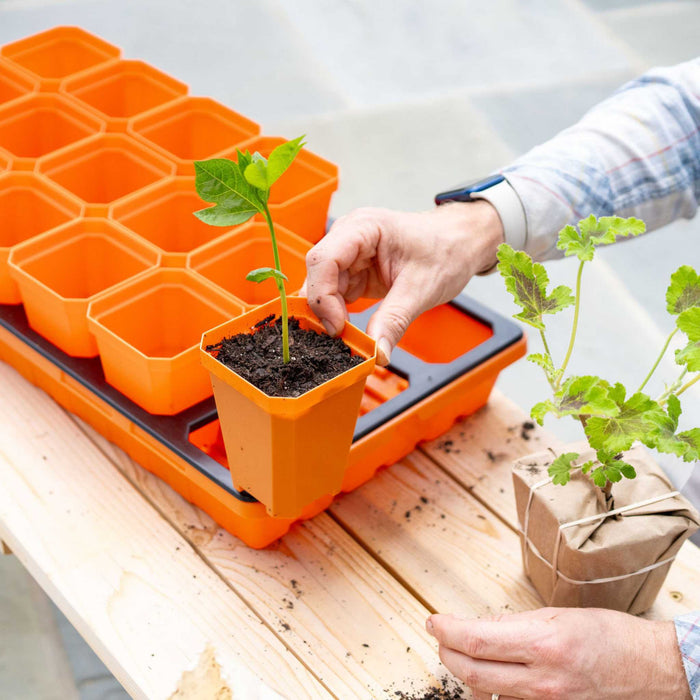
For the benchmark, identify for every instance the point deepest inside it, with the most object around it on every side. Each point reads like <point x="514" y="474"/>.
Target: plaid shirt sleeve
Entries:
<point x="635" y="154"/>
<point x="688" y="633"/>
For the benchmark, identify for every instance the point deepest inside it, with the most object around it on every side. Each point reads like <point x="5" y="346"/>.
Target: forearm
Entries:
<point x="635" y="154"/>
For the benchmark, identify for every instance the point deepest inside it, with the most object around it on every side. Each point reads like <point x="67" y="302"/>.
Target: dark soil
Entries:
<point x="257" y="357"/>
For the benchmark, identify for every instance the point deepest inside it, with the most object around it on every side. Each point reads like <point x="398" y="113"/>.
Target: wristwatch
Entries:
<point x="505" y="200"/>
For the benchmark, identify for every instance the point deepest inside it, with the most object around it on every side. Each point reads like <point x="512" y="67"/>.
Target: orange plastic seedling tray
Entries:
<point x="14" y="82"/>
<point x="227" y="260"/>
<point x="193" y="128"/>
<point x="50" y="206"/>
<point x="53" y="55"/>
<point x="103" y="169"/>
<point x="164" y="215"/>
<point x="37" y="125"/>
<point x="60" y="272"/>
<point x="148" y="336"/>
<point x="121" y="90"/>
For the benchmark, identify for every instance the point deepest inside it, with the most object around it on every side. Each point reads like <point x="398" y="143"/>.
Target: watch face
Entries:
<point x="464" y="193"/>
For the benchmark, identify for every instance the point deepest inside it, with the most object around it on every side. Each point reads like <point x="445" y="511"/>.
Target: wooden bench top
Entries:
<point x="178" y="608"/>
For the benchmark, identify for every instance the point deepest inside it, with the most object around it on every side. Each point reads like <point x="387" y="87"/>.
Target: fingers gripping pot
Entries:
<point x="287" y="452"/>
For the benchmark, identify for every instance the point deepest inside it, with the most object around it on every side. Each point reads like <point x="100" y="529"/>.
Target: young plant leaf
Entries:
<point x="527" y="282"/>
<point x="692" y="439"/>
<point x="684" y="291"/>
<point x="618" y="433"/>
<point x="560" y="468"/>
<point x="593" y="232"/>
<point x="662" y="429"/>
<point x="263" y="173"/>
<point x="265" y="273"/>
<point x="689" y="322"/>
<point x="221" y="182"/>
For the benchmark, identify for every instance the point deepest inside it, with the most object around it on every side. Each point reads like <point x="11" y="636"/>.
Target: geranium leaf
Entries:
<point x="560" y="468"/>
<point x="541" y="409"/>
<point x="689" y="322"/>
<point x="618" y="433"/>
<point x="684" y="291"/>
<point x="527" y="282"/>
<point x="593" y="232"/>
<point x="586" y="395"/>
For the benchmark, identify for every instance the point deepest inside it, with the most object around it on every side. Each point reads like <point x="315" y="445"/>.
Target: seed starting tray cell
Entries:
<point x="100" y="149"/>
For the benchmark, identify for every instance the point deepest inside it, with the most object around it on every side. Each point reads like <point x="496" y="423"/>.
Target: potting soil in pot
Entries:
<point x="257" y="357"/>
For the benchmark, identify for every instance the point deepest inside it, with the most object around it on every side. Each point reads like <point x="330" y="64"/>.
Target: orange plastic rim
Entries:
<point x="60" y="272"/>
<point x="164" y="215"/>
<point x="14" y="83"/>
<point x="148" y="335"/>
<point x="104" y="168"/>
<point x="37" y="125"/>
<point x="121" y="90"/>
<point x="57" y="53"/>
<point x="49" y="206"/>
<point x="227" y="260"/>
<point x="193" y="128"/>
<point x="287" y="452"/>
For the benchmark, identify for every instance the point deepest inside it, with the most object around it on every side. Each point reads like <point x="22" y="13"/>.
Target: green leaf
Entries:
<point x="527" y="282"/>
<point x="593" y="232"/>
<point x="541" y="409"/>
<point x="221" y="182"/>
<point x="689" y="322"/>
<point x="256" y="172"/>
<point x="586" y="395"/>
<point x="282" y="157"/>
<point x="692" y="439"/>
<point x="263" y="173"/>
<point x="684" y="291"/>
<point x="633" y="422"/>
<point x="599" y="477"/>
<point x="628" y="471"/>
<point x="265" y="273"/>
<point x="544" y="361"/>
<point x="560" y="468"/>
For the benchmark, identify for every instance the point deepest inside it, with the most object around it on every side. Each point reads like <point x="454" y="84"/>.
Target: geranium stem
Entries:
<point x="658" y="359"/>
<point x="687" y="385"/>
<point x="280" y="288"/>
<point x="574" y="327"/>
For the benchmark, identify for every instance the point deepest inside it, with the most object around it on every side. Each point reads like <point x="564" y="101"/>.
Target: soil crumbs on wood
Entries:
<point x="257" y="357"/>
<point x="448" y="690"/>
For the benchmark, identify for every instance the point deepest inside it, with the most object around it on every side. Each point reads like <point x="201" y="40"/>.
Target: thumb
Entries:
<point x="400" y="308"/>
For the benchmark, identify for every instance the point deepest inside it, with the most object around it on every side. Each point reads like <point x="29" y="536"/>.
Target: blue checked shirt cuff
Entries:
<point x="688" y="633"/>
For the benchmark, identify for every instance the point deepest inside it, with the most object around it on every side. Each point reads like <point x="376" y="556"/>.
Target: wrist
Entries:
<point x="479" y="226"/>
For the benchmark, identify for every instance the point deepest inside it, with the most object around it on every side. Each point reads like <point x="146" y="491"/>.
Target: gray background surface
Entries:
<point x="408" y="98"/>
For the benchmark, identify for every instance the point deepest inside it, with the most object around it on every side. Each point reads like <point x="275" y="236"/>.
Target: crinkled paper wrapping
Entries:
<point x="609" y="547"/>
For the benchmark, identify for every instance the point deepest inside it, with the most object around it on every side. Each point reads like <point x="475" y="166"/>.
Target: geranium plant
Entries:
<point x="241" y="189"/>
<point x="613" y="418"/>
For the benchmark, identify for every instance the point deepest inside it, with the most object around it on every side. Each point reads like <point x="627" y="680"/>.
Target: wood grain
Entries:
<point x="356" y="626"/>
<point x="479" y="451"/>
<point x="133" y="587"/>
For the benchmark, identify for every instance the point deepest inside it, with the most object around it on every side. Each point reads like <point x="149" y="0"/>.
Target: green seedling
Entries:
<point x="241" y="189"/>
<point x="613" y="418"/>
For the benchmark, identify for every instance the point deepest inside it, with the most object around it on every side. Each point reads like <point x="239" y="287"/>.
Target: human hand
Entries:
<point x="415" y="260"/>
<point x="563" y="653"/>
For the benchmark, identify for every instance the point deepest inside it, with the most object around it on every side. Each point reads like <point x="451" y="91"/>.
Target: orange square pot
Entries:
<point x="287" y="452"/>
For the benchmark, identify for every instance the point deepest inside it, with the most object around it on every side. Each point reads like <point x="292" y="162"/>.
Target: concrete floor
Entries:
<point x="408" y="98"/>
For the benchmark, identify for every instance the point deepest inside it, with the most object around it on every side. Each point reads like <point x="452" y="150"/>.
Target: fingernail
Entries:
<point x="429" y="626"/>
<point x="383" y="351"/>
<point x="330" y="328"/>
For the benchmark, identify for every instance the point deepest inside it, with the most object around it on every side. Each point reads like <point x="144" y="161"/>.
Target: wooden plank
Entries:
<point x="144" y="600"/>
<point x="446" y="546"/>
<point x="359" y="630"/>
<point x="479" y="451"/>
